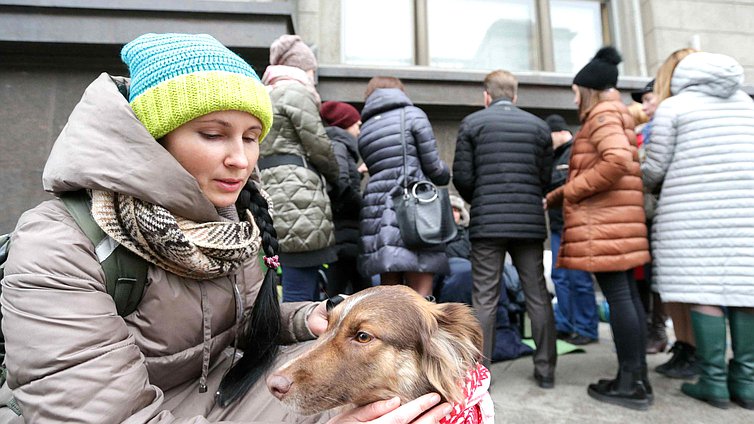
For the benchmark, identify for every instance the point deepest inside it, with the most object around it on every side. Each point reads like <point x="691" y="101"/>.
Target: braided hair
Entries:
<point x="259" y="337"/>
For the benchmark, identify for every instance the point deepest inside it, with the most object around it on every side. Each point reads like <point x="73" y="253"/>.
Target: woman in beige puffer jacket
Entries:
<point x="165" y="184"/>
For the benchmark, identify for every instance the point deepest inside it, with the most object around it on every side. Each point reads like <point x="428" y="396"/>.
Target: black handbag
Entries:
<point x="423" y="211"/>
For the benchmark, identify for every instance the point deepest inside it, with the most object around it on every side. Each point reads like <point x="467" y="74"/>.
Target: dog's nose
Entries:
<point x="279" y="385"/>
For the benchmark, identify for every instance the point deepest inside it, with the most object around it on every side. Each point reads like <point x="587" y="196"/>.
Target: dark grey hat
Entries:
<point x="557" y="123"/>
<point x="637" y="95"/>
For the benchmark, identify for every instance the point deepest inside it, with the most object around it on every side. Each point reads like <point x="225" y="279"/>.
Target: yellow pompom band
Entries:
<point x="171" y="103"/>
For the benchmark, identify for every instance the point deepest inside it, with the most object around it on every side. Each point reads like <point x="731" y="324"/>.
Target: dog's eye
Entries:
<point x="363" y="337"/>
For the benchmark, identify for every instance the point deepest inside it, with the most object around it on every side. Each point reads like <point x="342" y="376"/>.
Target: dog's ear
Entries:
<point x="452" y="349"/>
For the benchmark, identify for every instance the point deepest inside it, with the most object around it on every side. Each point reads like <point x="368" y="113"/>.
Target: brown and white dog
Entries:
<point x="383" y="342"/>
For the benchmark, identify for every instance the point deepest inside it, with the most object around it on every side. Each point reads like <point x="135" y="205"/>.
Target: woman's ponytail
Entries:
<point x="259" y="337"/>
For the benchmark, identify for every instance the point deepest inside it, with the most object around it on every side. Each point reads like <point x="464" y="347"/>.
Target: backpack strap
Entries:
<point x="125" y="271"/>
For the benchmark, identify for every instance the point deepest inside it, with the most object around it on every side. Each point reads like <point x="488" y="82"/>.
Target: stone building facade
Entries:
<point x="50" y="51"/>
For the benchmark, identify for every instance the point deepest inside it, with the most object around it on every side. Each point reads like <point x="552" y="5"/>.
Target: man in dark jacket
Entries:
<point x="343" y="124"/>
<point x="502" y="166"/>
<point x="576" y="317"/>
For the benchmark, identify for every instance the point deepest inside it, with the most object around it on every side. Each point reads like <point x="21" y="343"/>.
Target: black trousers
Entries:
<point x="627" y="318"/>
<point x="343" y="277"/>
<point x="487" y="256"/>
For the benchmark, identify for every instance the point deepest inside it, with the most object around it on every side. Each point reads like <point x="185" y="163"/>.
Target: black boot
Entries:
<point x="682" y="364"/>
<point x="644" y="379"/>
<point x="627" y="390"/>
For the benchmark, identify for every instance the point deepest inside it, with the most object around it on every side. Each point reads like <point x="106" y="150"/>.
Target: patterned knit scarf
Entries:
<point x="178" y="245"/>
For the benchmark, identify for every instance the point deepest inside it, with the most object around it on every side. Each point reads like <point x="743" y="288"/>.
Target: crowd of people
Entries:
<point x="211" y="175"/>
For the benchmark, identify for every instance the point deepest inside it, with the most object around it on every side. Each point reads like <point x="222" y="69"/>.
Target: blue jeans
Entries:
<point x="577" y="307"/>
<point x="300" y="284"/>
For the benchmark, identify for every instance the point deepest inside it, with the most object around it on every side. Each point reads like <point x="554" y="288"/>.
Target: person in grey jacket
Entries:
<point x="702" y="154"/>
<point x="343" y="124"/>
<point x="293" y="162"/>
<point x="383" y="250"/>
<point x="167" y="159"/>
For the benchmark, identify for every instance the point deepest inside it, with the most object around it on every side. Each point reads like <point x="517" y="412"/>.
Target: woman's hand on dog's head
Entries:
<point x="317" y="320"/>
<point x="391" y="412"/>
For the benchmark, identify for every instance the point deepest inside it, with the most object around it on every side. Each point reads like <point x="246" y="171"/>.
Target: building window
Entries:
<point x="378" y="32"/>
<point x="517" y="35"/>
<point x="576" y="32"/>
<point x="487" y="35"/>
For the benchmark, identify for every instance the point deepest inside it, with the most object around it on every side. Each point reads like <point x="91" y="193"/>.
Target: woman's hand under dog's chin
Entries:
<point x="391" y="412"/>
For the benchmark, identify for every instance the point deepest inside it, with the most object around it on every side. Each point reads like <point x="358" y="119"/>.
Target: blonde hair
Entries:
<point x="501" y="83"/>
<point x="636" y="112"/>
<point x="665" y="73"/>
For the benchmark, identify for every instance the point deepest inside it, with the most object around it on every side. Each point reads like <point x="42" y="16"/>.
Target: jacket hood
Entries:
<point x="384" y="99"/>
<point x="339" y="135"/>
<point x="104" y="146"/>
<point x="710" y="73"/>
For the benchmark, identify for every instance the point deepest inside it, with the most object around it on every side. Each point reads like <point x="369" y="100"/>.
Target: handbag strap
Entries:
<point x="405" y="152"/>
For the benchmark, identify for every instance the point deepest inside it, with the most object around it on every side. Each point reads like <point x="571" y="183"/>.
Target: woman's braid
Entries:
<point x="259" y="337"/>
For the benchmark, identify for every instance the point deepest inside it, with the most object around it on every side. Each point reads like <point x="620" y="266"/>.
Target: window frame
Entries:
<point x="543" y="56"/>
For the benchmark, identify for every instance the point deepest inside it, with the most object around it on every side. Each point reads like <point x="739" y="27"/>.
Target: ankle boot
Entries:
<point x="627" y="390"/>
<point x="741" y="371"/>
<point x="712" y="386"/>
<point x="682" y="364"/>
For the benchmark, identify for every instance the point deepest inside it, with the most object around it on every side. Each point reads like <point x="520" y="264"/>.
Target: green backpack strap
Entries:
<point x="125" y="271"/>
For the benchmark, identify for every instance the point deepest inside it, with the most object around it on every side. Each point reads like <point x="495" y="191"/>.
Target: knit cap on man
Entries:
<point x="179" y="77"/>
<point x="339" y="114"/>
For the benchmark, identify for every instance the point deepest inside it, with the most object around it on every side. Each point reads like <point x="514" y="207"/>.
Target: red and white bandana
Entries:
<point x="477" y="407"/>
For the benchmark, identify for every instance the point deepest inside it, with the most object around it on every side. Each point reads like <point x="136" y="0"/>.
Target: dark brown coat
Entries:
<point x="602" y="199"/>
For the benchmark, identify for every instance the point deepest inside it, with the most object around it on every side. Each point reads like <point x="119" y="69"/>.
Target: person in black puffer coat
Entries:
<point x="343" y="124"/>
<point x="502" y="166"/>
<point x="383" y="251"/>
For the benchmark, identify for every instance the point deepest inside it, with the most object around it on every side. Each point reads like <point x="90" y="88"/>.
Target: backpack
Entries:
<point x="125" y="272"/>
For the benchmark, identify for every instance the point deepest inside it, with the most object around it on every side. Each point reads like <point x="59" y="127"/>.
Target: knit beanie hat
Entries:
<point x="557" y="123"/>
<point x="601" y="72"/>
<point x="179" y="77"/>
<point x="339" y="114"/>
<point x="290" y="50"/>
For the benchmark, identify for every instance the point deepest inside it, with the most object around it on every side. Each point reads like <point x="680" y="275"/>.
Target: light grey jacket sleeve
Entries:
<point x="661" y="148"/>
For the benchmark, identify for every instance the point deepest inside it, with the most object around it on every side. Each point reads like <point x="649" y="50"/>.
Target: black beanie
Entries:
<point x="557" y="123"/>
<point x="601" y="72"/>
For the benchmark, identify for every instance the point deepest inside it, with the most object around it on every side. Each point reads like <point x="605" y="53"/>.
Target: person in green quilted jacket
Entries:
<point x="297" y="163"/>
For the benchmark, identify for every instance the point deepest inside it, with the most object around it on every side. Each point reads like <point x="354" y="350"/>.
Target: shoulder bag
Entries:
<point x="422" y="209"/>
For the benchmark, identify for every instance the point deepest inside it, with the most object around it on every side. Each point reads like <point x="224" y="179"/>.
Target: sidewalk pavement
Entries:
<point x="518" y="399"/>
